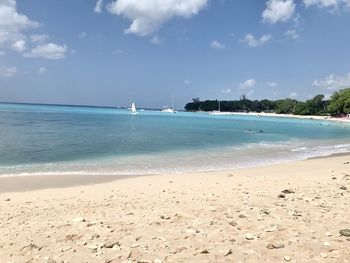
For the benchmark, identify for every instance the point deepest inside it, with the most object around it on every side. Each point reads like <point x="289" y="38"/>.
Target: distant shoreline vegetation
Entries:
<point x="338" y="105"/>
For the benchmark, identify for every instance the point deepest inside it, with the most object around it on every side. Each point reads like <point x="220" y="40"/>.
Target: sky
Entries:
<point x="112" y="52"/>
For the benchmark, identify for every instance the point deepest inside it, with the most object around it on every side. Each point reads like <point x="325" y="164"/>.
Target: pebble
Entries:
<point x="287" y="258"/>
<point x="228" y="252"/>
<point x="232" y="223"/>
<point x="7" y="199"/>
<point x="343" y="188"/>
<point x="78" y="219"/>
<point x="328" y="234"/>
<point x="92" y="247"/>
<point x="288" y="191"/>
<point x="326" y="244"/>
<point x="281" y="195"/>
<point x="205" y="251"/>
<point x="249" y="236"/>
<point x="274" y="246"/>
<point x="345" y="232"/>
<point x="324" y="255"/>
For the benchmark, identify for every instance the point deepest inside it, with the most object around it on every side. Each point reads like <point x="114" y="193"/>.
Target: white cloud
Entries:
<point x="187" y="82"/>
<point x="333" y="82"/>
<point x="19" y="46"/>
<point x="11" y="20"/>
<point x="38" y="38"/>
<point x="13" y="36"/>
<point x="226" y="91"/>
<point x="251" y="41"/>
<point x="278" y="11"/>
<point x="333" y="4"/>
<point x="247" y="86"/>
<point x="48" y="51"/>
<point x="156" y="40"/>
<point x="7" y="72"/>
<point x="292" y="34"/>
<point x="271" y="84"/>
<point x="42" y="70"/>
<point x="98" y="6"/>
<point x="293" y="95"/>
<point x="217" y="45"/>
<point x="148" y="16"/>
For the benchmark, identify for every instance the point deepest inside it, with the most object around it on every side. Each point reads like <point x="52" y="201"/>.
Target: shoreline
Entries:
<point x="278" y="213"/>
<point x="28" y="183"/>
<point x="308" y="117"/>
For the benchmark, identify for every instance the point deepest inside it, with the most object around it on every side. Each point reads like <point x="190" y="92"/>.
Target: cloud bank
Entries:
<point x="148" y="16"/>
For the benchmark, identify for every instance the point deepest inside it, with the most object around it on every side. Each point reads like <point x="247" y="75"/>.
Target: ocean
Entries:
<point x="48" y="139"/>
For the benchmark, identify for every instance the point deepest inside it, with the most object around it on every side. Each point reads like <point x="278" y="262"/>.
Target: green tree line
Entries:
<point x="338" y="104"/>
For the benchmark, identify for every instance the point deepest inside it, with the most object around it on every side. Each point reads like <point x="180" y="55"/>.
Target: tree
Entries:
<point x="340" y="102"/>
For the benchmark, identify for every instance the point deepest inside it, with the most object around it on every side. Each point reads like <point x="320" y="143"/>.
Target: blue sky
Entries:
<point x="111" y="52"/>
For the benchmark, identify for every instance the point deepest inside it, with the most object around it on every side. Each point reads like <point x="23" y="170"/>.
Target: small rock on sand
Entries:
<point x="288" y="191"/>
<point x="274" y="246"/>
<point x="281" y="195"/>
<point x="7" y="199"/>
<point x="78" y="219"/>
<point x="345" y="232"/>
<point x="228" y="252"/>
<point x="343" y="188"/>
<point x="287" y="258"/>
<point x="249" y="236"/>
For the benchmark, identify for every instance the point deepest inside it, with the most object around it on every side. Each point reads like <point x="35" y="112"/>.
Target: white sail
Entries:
<point x="133" y="107"/>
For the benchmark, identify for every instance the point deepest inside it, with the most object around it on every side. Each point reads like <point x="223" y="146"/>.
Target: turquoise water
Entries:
<point x="43" y="139"/>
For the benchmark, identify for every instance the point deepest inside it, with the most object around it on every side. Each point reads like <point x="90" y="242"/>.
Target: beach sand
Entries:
<point x="228" y="216"/>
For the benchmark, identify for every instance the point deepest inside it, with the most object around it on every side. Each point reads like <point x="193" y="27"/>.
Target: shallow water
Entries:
<point x="42" y="139"/>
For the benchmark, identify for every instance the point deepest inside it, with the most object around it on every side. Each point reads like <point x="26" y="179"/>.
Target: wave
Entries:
<point x="202" y="160"/>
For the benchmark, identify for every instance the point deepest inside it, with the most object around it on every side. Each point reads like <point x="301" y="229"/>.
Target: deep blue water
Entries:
<point x="38" y="139"/>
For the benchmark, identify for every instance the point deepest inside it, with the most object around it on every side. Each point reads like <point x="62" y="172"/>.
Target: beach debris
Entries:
<point x="249" y="236"/>
<point x="274" y="246"/>
<point x="92" y="247"/>
<point x="111" y="244"/>
<point x="164" y="217"/>
<point x="288" y="191"/>
<point x="232" y="223"/>
<point x="287" y="258"/>
<point x="205" y="251"/>
<point x="343" y="187"/>
<point x="281" y="195"/>
<point x="228" y="252"/>
<point x="345" y="232"/>
<point x="78" y="219"/>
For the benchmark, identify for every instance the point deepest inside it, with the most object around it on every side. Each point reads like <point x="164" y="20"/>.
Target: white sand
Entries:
<point x="231" y="216"/>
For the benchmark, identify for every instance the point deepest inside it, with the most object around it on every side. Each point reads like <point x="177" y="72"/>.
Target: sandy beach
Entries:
<point x="342" y="120"/>
<point x="292" y="212"/>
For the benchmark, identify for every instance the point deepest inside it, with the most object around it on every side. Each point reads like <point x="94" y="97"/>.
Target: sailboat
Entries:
<point x="169" y="109"/>
<point x="133" y="108"/>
